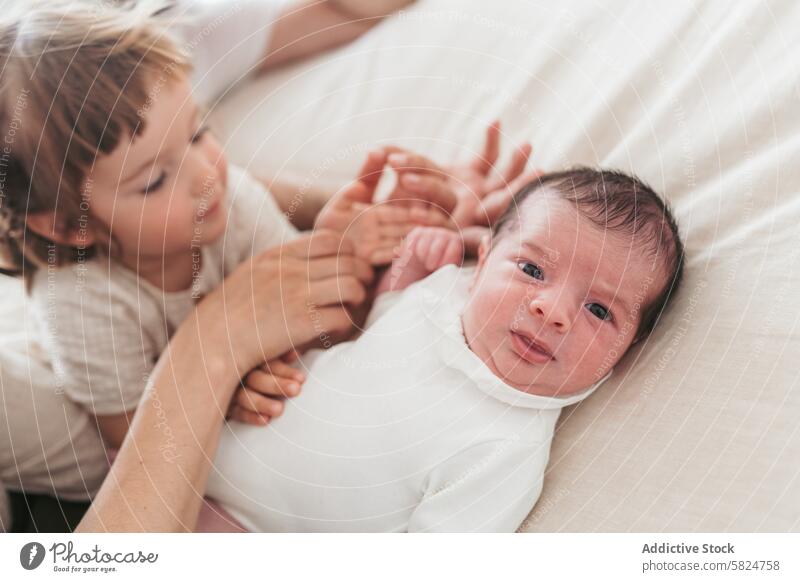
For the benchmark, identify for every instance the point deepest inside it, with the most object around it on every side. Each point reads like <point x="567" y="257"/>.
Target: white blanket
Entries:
<point x="698" y="429"/>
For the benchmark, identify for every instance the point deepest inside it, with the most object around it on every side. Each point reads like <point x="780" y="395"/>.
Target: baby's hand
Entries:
<point x="425" y="250"/>
<point x="264" y="390"/>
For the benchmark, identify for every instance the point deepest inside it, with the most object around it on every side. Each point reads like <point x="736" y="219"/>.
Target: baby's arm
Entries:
<point x="488" y="487"/>
<point x="263" y="391"/>
<point x="424" y="250"/>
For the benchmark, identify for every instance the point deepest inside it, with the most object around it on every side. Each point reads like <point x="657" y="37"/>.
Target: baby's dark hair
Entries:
<point x="617" y="203"/>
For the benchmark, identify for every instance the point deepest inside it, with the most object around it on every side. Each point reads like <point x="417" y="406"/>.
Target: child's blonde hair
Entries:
<point x="75" y="79"/>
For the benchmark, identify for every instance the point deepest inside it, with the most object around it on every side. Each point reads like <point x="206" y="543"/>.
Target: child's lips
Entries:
<point x="530" y="350"/>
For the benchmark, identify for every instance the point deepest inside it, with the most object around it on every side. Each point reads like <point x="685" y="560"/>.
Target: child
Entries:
<point x="440" y="416"/>
<point x="118" y="205"/>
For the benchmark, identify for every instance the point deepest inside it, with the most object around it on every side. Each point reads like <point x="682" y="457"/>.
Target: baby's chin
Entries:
<point x="525" y="377"/>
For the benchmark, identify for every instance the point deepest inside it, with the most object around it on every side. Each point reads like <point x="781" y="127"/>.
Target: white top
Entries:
<point x="403" y="429"/>
<point x="105" y="328"/>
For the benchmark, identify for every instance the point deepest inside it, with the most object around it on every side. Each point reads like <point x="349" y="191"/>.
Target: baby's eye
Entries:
<point x="531" y="270"/>
<point x="198" y="135"/>
<point x="154" y="186"/>
<point x="599" y="311"/>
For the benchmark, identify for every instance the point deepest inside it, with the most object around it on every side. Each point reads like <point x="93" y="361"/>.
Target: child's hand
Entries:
<point x="425" y="250"/>
<point x="264" y="391"/>
<point x="377" y="229"/>
<point x="471" y="183"/>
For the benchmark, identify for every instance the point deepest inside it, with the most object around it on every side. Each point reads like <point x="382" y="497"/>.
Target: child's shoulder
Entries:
<point x="93" y="284"/>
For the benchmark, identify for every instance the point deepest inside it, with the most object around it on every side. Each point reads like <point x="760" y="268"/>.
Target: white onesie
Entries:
<point x="403" y="429"/>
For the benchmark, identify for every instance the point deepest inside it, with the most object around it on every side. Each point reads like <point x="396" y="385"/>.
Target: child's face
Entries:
<point x="162" y="193"/>
<point x="556" y="302"/>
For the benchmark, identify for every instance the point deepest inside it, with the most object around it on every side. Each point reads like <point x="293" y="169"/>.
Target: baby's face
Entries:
<point x="556" y="302"/>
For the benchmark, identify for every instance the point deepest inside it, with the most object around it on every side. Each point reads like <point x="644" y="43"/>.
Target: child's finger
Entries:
<point x="519" y="160"/>
<point x="492" y="207"/>
<point x="395" y="232"/>
<point x="491" y="149"/>
<point x="403" y="161"/>
<point x="429" y="189"/>
<point x="272" y="385"/>
<point x="383" y="256"/>
<point x="392" y="212"/>
<point x="248" y="417"/>
<point x="256" y="402"/>
<point x="372" y="169"/>
<point x="356" y="191"/>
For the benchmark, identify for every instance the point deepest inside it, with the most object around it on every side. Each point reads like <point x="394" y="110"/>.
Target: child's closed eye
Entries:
<point x="198" y="135"/>
<point x="156" y="184"/>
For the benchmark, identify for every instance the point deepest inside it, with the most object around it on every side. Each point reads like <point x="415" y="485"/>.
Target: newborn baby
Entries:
<point x="439" y="417"/>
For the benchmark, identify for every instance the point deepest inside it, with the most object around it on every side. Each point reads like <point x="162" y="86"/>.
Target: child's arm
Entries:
<point x="424" y="250"/>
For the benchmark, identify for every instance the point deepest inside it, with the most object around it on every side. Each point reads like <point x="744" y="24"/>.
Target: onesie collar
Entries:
<point x="443" y="297"/>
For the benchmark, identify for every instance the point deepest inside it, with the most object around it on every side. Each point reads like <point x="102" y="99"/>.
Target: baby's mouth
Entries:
<point x="530" y="350"/>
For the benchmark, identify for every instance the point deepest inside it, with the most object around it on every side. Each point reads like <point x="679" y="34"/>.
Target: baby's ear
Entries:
<point x="483" y="252"/>
<point x="50" y="226"/>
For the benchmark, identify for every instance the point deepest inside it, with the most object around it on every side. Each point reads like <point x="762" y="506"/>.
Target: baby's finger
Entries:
<point x="271" y="384"/>
<point x="291" y="356"/>
<point x="247" y="417"/>
<point x="281" y="369"/>
<point x="255" y="402"/>
<point x="438" y="244"/>
<point x="453" y="254"/>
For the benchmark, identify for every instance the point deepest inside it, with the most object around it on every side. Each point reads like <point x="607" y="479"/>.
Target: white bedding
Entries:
<point x="698" y="429"/>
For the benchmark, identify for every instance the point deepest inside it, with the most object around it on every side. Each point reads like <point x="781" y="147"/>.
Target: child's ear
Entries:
<point x="49" y="226"/>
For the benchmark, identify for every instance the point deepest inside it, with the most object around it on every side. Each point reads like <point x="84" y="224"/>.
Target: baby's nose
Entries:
<point x="554" y="312"/>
